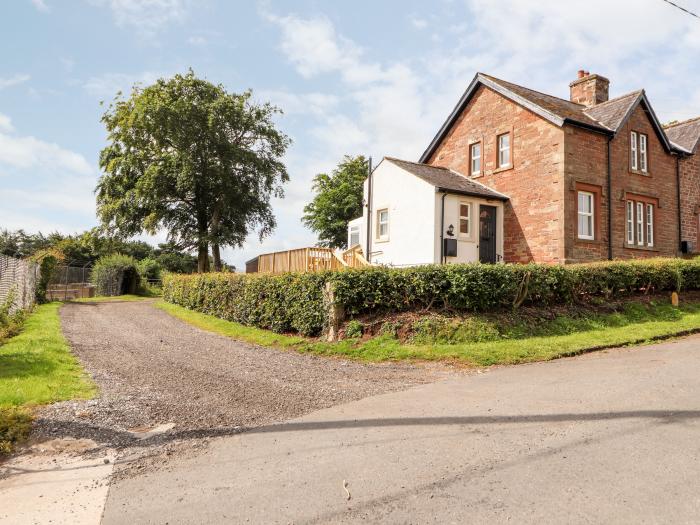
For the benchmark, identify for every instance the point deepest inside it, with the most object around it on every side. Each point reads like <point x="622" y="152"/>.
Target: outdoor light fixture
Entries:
<point x="450" y="230"/>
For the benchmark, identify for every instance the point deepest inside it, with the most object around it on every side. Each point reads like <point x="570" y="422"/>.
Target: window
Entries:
<point x="465" y="219"/>
<point x="475" y="156"/>
<point x="504" y="150"/>
<point x="354" y="236"/>
<point x="640" y="224"/>
<point x="639" y="159"/>
<point x="642" y="153"/>
<point x="383" y="224"/>
<point x="630" y="222"/>
<point x="585" y="215"/>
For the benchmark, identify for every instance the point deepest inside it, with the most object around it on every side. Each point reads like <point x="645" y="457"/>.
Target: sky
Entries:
<point x="364" y="77"/>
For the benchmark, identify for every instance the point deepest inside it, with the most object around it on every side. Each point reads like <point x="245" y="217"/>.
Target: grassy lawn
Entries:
<point x="36" y="368"/>
<point x="563" y="337"/>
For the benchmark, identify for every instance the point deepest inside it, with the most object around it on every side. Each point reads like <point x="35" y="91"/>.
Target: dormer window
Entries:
<point x="639" y="161"/>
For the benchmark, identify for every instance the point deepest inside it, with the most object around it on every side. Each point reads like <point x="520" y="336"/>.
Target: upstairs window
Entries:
<point x="465" y="219"/>
<point x="504" y="150"/>
<point x="586" y="203"/>
<point x="639" y="159"/>
<point x="383" y="224"/>
<point x="642" y="153"/>
<point x="475" y="159"/>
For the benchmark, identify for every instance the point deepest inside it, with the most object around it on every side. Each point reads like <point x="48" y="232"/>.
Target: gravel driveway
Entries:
<point x="153" y="369"/>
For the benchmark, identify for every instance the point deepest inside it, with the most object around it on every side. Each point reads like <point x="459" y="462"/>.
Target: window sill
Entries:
<point x="379" y="241"/>
<point x="641" y="248"/>
<point x="588" y="241"/>
<point x="503" y="168"/>
<point x="639" y="172"/>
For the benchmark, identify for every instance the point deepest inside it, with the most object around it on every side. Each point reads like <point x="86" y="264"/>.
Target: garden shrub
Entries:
<point x="47" y="260"/>
<point x="294" y="302"/>
<point x="353" y="329"/>
<point x="15" y="425"/>
<point x="116" y="275"/>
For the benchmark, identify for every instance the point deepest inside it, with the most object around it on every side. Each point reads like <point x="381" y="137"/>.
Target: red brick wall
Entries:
<point x="690" y="200"/>
<point x="586" y="163"/>
<point x="660" y="183"/>
<point x="534" y="216"/>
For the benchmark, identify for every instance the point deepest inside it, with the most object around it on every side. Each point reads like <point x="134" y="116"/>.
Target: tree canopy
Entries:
<point x="337" y="200"/>
<point x="186" y="156"/>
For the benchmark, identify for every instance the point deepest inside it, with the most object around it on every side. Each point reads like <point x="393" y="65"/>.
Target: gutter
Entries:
<point x="442" y="228"/>
<point x="369" y="209"/>
<point x="678" y="195"/>
<point x="610" y="214"/>
<point x="472" y="194"/>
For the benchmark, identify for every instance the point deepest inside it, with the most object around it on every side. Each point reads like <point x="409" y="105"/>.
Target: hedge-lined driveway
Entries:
<point x="153" y="369"/>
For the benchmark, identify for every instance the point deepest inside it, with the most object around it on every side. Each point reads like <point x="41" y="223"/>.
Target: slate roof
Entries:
<point x="606" y="118"/>
<point x="684" y="134"/>
<point x="612" y="113"/>
<point x="447" y="180"/>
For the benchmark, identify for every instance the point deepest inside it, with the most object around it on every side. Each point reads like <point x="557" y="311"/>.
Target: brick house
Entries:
<point x="585" y="179"/>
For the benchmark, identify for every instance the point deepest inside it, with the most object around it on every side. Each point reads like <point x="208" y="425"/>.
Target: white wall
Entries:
<point x="414" y="220"/>
<point x="467" y="246"/>
<point x="411" y="205"/>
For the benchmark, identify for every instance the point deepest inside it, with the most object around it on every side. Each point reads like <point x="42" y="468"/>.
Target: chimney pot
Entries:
<point x="581" y="73"/>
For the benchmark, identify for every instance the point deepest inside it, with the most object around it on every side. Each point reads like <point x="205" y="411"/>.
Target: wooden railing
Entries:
<point x="310" y="260"/>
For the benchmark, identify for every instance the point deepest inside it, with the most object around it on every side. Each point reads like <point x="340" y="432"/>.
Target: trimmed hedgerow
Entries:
<point x="294" y="302"/>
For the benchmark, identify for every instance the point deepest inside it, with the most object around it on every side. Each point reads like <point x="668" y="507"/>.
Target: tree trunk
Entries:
<point x="216" y="253"/>
<point x="203" y="258"/>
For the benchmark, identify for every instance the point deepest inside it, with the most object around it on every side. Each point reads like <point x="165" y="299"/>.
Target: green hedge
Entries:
<point x="294" y="302"/>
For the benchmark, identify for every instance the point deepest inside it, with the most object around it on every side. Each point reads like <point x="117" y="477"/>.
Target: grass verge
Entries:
<point x="614" y="330"/>
<point x="36" y="368"/>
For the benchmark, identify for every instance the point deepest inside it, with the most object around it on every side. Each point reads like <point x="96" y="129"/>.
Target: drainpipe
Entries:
<point x="678" y="195"/>
<point x="610" y="213"/>
<point x="442" y="228"/>
<point x="369" y="209"/>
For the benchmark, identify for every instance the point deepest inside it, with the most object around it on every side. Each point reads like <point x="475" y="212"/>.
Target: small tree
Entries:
<point x="189" y="157"/>
<point x="337" y="200"/>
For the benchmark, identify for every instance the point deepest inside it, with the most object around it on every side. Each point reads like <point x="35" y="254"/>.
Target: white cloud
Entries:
<point x="148" y="17"/>
<point x="41" y="5"/>
<point x="197" y="41"/>
<point x="30" y="152"/>
<point x="106" y="86"/>
<point x="5" y="123"/>
<point x="318" y="104"/>
<point x="419" y="23"/>
<point x="14" y="80"/>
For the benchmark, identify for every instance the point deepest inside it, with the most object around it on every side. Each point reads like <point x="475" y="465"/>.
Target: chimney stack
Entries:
<point x="588" y="89"/>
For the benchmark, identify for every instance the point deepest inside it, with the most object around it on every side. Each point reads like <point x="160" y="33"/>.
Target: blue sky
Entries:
<point x="362" y="77"/>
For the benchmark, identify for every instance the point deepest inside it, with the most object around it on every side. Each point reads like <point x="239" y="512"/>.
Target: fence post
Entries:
<point x="334" y="311"/>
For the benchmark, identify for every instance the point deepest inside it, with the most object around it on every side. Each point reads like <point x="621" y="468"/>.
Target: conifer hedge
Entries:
<point x="294" y="302"/>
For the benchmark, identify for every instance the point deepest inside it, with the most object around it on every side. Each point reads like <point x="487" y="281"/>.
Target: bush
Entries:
<point x="150" y="269"/>
<point x="116" y="275"/>
<point x="47" y="260"/>
<point x="15" y="425"/>
<point x="294" y="301"/>
<point x="353" y="329"/>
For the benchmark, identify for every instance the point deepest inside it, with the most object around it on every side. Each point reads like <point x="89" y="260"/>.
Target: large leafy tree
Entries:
<point x="337" y="200"/>
<point x="186" y="156"/>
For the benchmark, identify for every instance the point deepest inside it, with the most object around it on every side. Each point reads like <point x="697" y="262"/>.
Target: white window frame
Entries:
<point x="630" y="222"/>
<point x="503" y="150"/>
<point x="473" y="158"/>
<point x="643" y="164"/>
<point x="650" y="224"/>
<point x="633" y="150"/>
<point x="382" y="236"/>
<point x="354" y="230"/>
<point x="640" y="224"/>
<point x="468" y="218"/>
<point x="587" y="214"/>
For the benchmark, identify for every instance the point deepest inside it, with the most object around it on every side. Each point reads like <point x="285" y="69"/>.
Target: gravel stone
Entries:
<point x="153" y="369"/>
